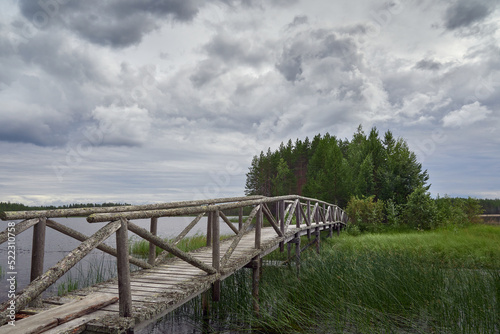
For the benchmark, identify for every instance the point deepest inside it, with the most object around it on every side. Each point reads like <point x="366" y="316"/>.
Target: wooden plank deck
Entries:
<point x="160" y="290"/>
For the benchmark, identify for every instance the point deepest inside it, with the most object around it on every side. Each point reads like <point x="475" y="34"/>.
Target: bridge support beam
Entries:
<point x="297" y="253"/>
<point x="37" y="255"/>
<point x="215" y="253"/>
<point x="317" y="234"/>
<point x="256" y="273"/>
<point x="153" y="228"/>
<point x="124" y="293"/>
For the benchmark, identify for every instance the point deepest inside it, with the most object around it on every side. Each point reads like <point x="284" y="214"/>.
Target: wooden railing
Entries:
<point x="307" y="212"/>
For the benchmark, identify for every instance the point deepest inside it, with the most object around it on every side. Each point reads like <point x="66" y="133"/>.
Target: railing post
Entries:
<point x="255" y="285"/>
<point x="308" y="213"/>
<point x="317" y="233"/>
<point x="37" y="254"/>
<point x="152" y="247"/>
<point x="240" y="219"/>
<point x="215" y="252"/>
<point x="297" y="253"/>
<point x="282" y="223"/>
<point x="297" y="214"/>
<point x="258" y="227"/>
<point x="122" y="264"/>
<point x="209" y="229"/>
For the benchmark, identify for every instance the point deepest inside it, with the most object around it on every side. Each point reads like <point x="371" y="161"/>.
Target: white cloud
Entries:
<point x="127" y="126"/>
<point x="467" y="115"/>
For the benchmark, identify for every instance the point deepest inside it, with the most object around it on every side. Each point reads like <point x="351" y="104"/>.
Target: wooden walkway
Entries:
<point x="163" y="288"/>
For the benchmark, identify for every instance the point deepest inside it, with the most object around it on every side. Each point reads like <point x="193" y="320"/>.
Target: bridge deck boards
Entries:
<point x="163" y="288"/>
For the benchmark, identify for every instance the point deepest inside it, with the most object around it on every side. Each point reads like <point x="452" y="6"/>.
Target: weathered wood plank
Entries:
<point x="78" y="325"/>
<point x="143" y="233"/>
<point x="58" y="315"/>
<point x="53" y="274"/>
<point x="240" y="235"/>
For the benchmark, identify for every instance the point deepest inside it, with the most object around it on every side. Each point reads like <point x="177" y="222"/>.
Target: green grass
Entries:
<point x="98" y="270"/>
<point x="432" y="282"/>
<point x="141" y="247"/>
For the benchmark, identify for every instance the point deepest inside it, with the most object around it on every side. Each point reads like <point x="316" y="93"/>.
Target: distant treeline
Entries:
<point x="490" y="206"/>
<point x="7" y="206"/>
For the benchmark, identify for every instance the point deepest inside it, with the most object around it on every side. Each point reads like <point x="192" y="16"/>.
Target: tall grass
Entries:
<point x="141" y="247"/>
<point x="433" y="282"/>
<point x="97" y="270"/>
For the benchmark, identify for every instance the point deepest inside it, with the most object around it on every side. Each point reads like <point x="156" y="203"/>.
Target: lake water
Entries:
<point x="58" y="245"/>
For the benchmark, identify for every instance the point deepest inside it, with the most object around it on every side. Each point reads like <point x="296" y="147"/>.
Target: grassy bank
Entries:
<point x="428" y="282"/>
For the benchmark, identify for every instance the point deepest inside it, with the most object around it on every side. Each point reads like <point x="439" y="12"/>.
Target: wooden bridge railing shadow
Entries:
<point x="310" y="215"/>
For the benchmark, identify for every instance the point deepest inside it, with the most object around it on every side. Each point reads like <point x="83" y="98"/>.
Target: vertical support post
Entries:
<point x="317" y="233"/>
<point x="298" y="214"/>
<point x="308" y="213"/>
<point x="255" y="285"/>
<point x="338" y="230"/>
<point x="215" y="253"/>
<point x="209" y="229"/>
<point x="258" y="227"/>
<point x="282" y="224"/>
<point x="122" y="264"/>
<point x="240" y="219"/>
<point x="37" y="254"/>
<point x="332" y="215"/>
<point x="38" y="249"/>
<point x="153" y="227"/>
<point x="297" y="253"/>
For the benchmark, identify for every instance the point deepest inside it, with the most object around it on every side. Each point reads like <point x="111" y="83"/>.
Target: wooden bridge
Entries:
<point x="134" y="298"/>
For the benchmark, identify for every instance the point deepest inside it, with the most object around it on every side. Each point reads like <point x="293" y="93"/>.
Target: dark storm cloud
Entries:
<point x="428" y="64"/>
<point x="466" y="12"/>
<point x="225" y="52"/>
<point x="298" y="20"/>
<point x="115" y="23"/>
<point x="312" y="47"/>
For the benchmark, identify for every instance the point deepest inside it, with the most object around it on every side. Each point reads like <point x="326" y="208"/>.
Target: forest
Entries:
<point x="334" y="170"/>
<point x="379" y="181"/>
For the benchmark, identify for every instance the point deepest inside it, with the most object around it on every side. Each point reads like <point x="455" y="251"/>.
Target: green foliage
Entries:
<point x="420" y="212"/>
<point x="334" y="170"/>
<point x="366" y="213"/>
<point x="456" y="212"/>
<point x="141" y="247"/>
<point x="490" y="206"/>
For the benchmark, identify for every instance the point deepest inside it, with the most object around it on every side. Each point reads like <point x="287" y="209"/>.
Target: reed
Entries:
<point x="404" y="283"/>
<point x="96" y="270"/>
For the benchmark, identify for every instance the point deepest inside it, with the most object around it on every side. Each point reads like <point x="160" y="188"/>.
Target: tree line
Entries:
<point x="8" y="206"/>
<point x="378" y="181"/>
<point x="334" y="170"/>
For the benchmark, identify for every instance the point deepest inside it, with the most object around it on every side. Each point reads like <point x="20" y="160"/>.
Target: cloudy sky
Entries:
<point x="164" y="100"/>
